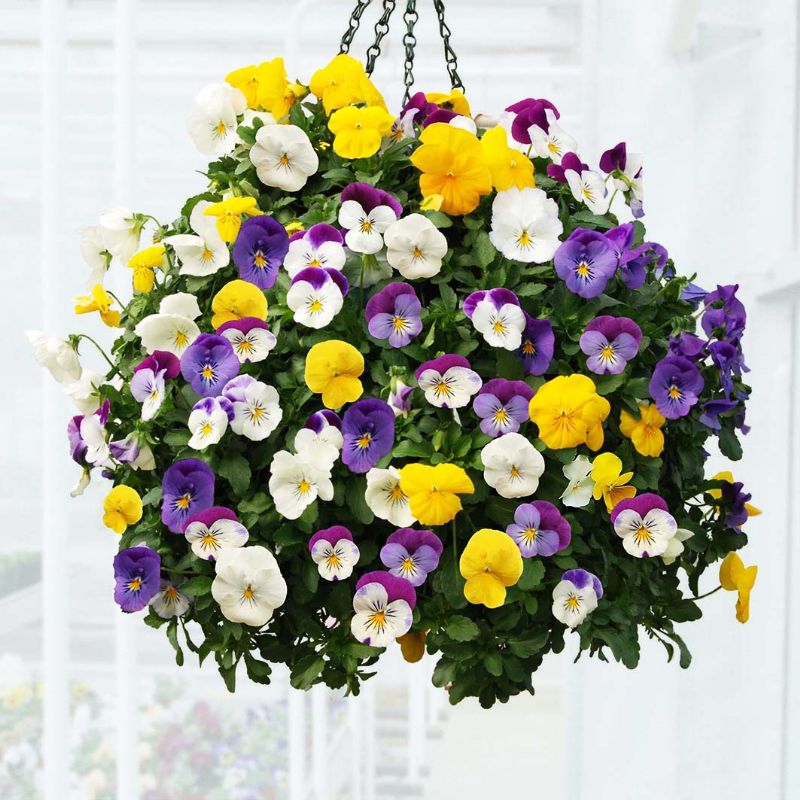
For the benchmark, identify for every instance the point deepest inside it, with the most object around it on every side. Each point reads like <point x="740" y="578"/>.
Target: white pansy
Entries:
<point x="464" y="122"/>
<point x="415" y="247"/>
<point x="644" y="537"/>
<point x="93" y="434"/>
<point x="258" y="413"/>
<point x="580" y="487"/>
<point x="212" y="121"/>
<point x="632" y="182"/>
<point x="572" y="604"/>
<point x="83" y="392"/>
<point x="386" y="499"/>
<point x="335" y="561"/>
<point x="283" y="157"/>
<point x="251" y="116"/>
<point x="315" y="304"/>
<point x="452" y="388"/>
<point x="501" y="327"/>
<point x="249" y="585"/>
<point x="120" y="231"/>
<point x="56" y="356"/>
<point x="675" y="545"/>
<point x="182" y="304"/>
<point x="376" y="621"/>
<point x="95" y="253"/>
<point x="170" y="332"/>
<point x="525" y="225"/>
<point x="365" y="229"/>
<point x="208" y="540"/>
<point x="83" y="482"/>
<point x="552" y="143"/>
<point x="512" y="466"/>
<point x="325" y="445"/>
<point x="296" y="480"/>
<point x="169" y="602"/>
<point x="208" y="422"/>
<point x="145" y="460"/>
<point x="203" y="252"/>
<point x="588" y="187"/>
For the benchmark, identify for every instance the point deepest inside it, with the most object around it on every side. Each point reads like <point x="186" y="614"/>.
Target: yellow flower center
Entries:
<point x="256" y="412"/>
<point x="607" y="352"/>
<point x="206" y="429"/>
<point x="135" y="584"/>
<point x="209" y="540"/>
<point x="377" y="619"/>
<point x="515" y="472"/>
<point x="501" y="416"/>
<point x="315" y="262"/>
<point x="399" y="323"/>
<point x="283" y="161"/>
<point x="408" y="565"/>
<point x="259" y="259"/>
<point x="524" y="239"/>
<point x="572" y="602"/>
<point x="315" y="306"/>
<point x="181" y="339"/>
<point x="553" y="148"/>
<point x="245" y="346"/>
<point x="643" y="536"/>
<point x="364" y="440"/>
<point x="396" y="494"/>
<point x="248" y="594"/>
<point x="442" y="388"/>
<point x="333" y="561"/>
<point x="674" y="392"/>
<point x="416" y="253"/>
<point x="207" y="255"/>
<point x="183" y="502"/>
<point x="219" y="128"/>
<point x="498" y="326"/>
<point x="207" y="372"/>
<point x="170" y="594"/>
<point x="529" y="348"/>
<point x="582" y="269"/>
<point x="304" y="487"/>
<point x="530" y="534"/>
<point x="366" y="225"/>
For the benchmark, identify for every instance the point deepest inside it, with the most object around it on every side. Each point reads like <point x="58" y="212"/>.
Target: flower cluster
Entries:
<point x="407" y="379"/>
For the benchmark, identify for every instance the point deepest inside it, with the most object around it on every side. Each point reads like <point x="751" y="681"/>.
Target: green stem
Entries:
<point x="102" y="352"/>
<point x="707" y="594"/>
<point x="119" y="302"/>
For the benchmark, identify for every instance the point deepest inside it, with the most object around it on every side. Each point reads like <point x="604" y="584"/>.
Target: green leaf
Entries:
<point x="532" y="575"/>
<point x="236" y="470"/>
<point x="729" y="444"/>
<point x="305" y="672"/>
<point x="172" y="637"/>
<point x="494" y="664"/>
<point x="685" y="611"/>
<point x="609" y="383"/>
<point x="484" y="249"/>
<point x="196" y="586"/>
<point x="462" y="629"/>
<point x="525" y="648"/>
<point x="443" y="673"/>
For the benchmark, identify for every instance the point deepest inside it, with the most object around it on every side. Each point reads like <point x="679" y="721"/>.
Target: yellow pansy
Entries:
<point x="454" y="100"/>
<point x="122" y="507"/>
<point x="509" y="167"/>
<point x="736" y="577"/>
<point x="342" y="82"/>
<point x="358" y="132"/>
<point x="294" y="227"/>
<point x="229" y="215"/>
<point x="333" y="369"/>
<point x="412" y="645"/>
<point x="453" y="165"/>
<point x="727" y="476"/>
<point x="144" y="264"/>
<point x="265" y="86"/>
<point x="101" y="301"/>
<point x="610" y="482"/>
<point x="433" y="492"/>
<point x="645" y="432"/>
<point x="433" y="202"/>
<point x="238" y="299"/>
<point x="568" y="412"/>
<point x="490" y="563"/>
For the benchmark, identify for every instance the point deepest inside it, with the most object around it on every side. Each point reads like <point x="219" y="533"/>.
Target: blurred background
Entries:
<point x="94" y="96"/>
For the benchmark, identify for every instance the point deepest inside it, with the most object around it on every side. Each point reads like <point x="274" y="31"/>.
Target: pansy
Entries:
<point x="644" y="524"/>
<point x="453" y="100"/>
<point x="675" y="386"/>
<point x="724" y="315"/>
<point x="712" y="410"/>
<point x="133" y="451"/>
<point x="633" y="264"/>
<point x="255" y="407"/>
<point x="509" y="167"/>
<point x="368" y="431"/>
<point x="610" y="342"/>
<point x="433" y="492"/>
<point x="137" y="577"/>
<point x="283" y="157"/>
<point x="213" y="530"/>
<point x="512" y="466"/>
<point x="386" y="498"/>
<point x="400" y="397"/>
<point x="588" y="187"/>
<point x="334" y="552"/>
<point x="489" y="564"/>
<point x="502" y="405"/>
<point x="259" y="250"/>
<point x="552" y="141"/>
<point x="365" y="213"/>
<point x="448" y="381"/>
<point x="537" y="347"/>
<point x="265" y="86"/>
<point x="525" y="225"/>
<point x="645" y="433"/>
<point x="575" y="596"/>
<point x="675" y="546"/>
<point x="122" y="507"/>
<point x="569" y="162"/>
<point x="95" y="253"/>
<point x="144" y="264"/>
<point x="209" y="363"/>
<point x="581" y="486"/>
<point x="84" y="391"/>
<point x="173" y="329"/>
<point x="585" y="262"/>
<point x="296" y="480"/>
<point x="208" y="421"/>
<point x="529" y="112"/>
<point x="169" y="601"/>
<point x="568" y="412"/>
<point x="100" y="301"/>
<point x="393" y="314"/>
<point x="187" y="487"/>
<point x="250" y="338"/>
<point x="539" y="529"/>
<point x="415" y="247"/>
<point x="728" y="358"/>
<point x="341" y="82"/>
<point x="316" y="296"/>
<point x="248" y="585"/>
<point x="734" y="576"/>
<point x="333" y="369"/>
<point x="687" y="345"/>
<point x="610" y="482"/>
<point x="148" y="381"/>
<point x="238" y="299"/>
<point x="626" y="169"/>
<point x="212" y="121"/>
<point x="359" y="131"/>
<point x="120" y="230"/>
<point x="738" y="509"/>
<point x="230" y="213"/>
<point x="322" y="431"/>
<point x="87" y="437"/>
<point x="412" y="554"/>
<point x="321" y="245"/>
<point x="497" y="315"/>
<point x="57" y="356"/>
<point x="383" y="606"/>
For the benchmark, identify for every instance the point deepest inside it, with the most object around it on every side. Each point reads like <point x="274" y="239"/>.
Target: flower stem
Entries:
<point x="102" y="352"/>
<point x="707" y="594"/>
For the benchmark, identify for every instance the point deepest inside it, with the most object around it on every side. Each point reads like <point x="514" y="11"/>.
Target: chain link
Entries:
<point x="449" y="53"/>
<point x="381" y="29"/>
<point x="410" y="18"/>
<point x="352" y="28"/>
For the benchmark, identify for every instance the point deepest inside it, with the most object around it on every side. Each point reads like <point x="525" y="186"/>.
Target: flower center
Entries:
<point x="209" y="541"/>
<point x="283" y="161"/>
<point x="643" y="536"/>
<point x="442" y="388"/>
<point x="674" y="392"/>
<point x="315" y="306"/>
<point x="304" y="487"/>
<point x="396" y="494"/>
<point x="515" y="472"/>
<point x="573" y="602"/>
<point x="583" y="270"/>
<point x="607" y="353"/>
<point x="183" y="502"/>
<point x="363" y="441"/>
<point x="257" y="412"/>
<point x="207" y="372"/>
<point x="207" y="255"/>
<point x="498" y="326"/>
<point x="206" y="429"/>
<point x="259" y="259"/>
<point x="135" y="585"/>
<point x="377" y="620"/>
<point x="399" y="323"/>
<point x="220" y="128"/>
<point x="170" y="594"/>
<point x="530" y="534"/>
<point x="524" y="239"/>
<point x="333" y="561"/>
<point x="366" y="225"/>
<point x="408" y="566"/>
<point x="245" y="346"/>
<point x="553" y="148"/>
<point x="248" y="594"/>
<point x="314" y="262"/>
<point x="501" y="416"/>
<point x="181" y="339"/>
<point x="528" y="348"/>
<point x="416" y="253"/>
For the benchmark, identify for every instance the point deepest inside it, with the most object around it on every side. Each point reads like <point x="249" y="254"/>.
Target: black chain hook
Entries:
<point x="355" y="21"/>
<point x="410" y="17"/>
<point x="381" y="29"/>
<point x="449" y="53"/>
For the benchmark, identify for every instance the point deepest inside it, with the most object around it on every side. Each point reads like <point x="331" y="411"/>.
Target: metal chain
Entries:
<point x="381" y="29"/>
<point x="449" y="53"/>
<point x="410" y="17"/>
<point x="355" y="21"/>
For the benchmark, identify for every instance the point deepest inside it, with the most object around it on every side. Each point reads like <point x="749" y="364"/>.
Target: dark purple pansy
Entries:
<point x="711" y="411"/>
<point x="418" y="107"/>
<point x="497" y="297"/>
<point x="582" y="579"/>
<point x="675" y="386"/>
<point x="724" y="315"/>
<point x="735" y="501"/>
<point x="538" y="344"/>
<point x="187" y="487"/>
<point x="160" y="360"/>
<point x="137" y="577"/>
<point x="585" y="262"/>
<point x="396" y="588"/>
<point x="321" y="419"/>
<point x="208" y="363"/>
<point x="729" y="360"/>
<point x="614" y="158"/>
<point x="641" y="504"/>
<point x="368" y="432"/>
<point x="687" y="345"/>
<point x="439" y="115"/>
<point x="610" y="342"/>
<point x="412" y="554"/>
<point x="331" y="535"/>
<point x="502" y="405"/>
<point x="369" y="197"/>
<point x="77" y="446"/>
<point x="530" y="112"/>
<point x="393" y="314"/>
<point x="569" y="161"/>
<point x="539" y="529"/>
<point x="259" y="250"/>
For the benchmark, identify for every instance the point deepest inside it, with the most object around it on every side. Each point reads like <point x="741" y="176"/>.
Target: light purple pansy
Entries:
<point x="322" y="245"/>
<point x="412" y="554"/>
<point x="250" y="338"/>
<point x="538" y="345"/>
<point x="334" y="552"/>
<point x="137" y="577"/>
<point x="148" y="382"/>
<point x="539" y="529"/>
<point x="675" y="386"/>
<point x="687" y="345"/>
<point x="78" y="430"/>
<point x="448" y="381"/>
<point x="634" y="264"/>
<point x="187" y="487"/>
<point x="259" y="250"/>
<point x="368" y="432"/>
<point x="393" y="314"/>
<point x="610" y="342"/>
<point x="585" y="262"/>
<point x="724" y="315"/>
<point x="502" y="405"/>
<point x="208" y="363"/>
<point x="400" y="398"/>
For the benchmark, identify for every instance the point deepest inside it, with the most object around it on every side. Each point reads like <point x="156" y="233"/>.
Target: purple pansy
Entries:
<point x="126" y="450"/>
<point x="711" y="411"/>
<point x="582" y="579"/>
<point x="448" y="381"/>
<point x="214" y="529"/>
<point x="538" y="344"/>
<point x="539" y="529"/>
<point x="616" y="158"/>
<point x="417" y="108"/>
<point x="735" y="501"/>
<point x="502" y="405"/>
<point x="444" y="115"/>
<point x="530" y="112"/>
<point x="497" y="297"/>
<point x="317" y="295"/>
<point x="728" y="359"/>
<point x="496" y="313"/>
<point x="724" y="315"/>
<point x="687" y="345"/>
<point x="644" y="524"/>
<point x="396" y="588"/>
<point x="161" y="360"/>
<point x="368" y="431"/>
<point x="400" y="398"/>
<point x="569" y="161"/>
<point x="250" y="338"/>
<point x="675" y="386"/>
<point x="412" y="554"/>
<point x="208" y="363"/>
<point x="76" y="431"/>
<point x="259" y="250"/>
<point x="610" y="342"/>
<point x="585" y="262"/>
<point x="633" y="268"/>
<point x="137" y="575"/>
<point x="320" y="420"/>
<point x="187" y="487"/>
<point x="694" y="294"/>
<point x="393" y="314"/>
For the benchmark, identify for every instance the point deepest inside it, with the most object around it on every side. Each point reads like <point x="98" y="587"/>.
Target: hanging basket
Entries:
<point x="406" y="379"/>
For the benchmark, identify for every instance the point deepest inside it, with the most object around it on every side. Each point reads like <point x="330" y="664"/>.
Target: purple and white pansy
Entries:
<point x="610" y="342"/>
<point x="448" y="381"/>
<point x="644" y="524"/>
<point x="569" y="161"/>
<point x="214" y="529"/>
<point x="575" y="597"/>
<point x="208" y="421"/>
<point x="321" y="435"/>
<point x="148" y="381"/>
<point x="322" y="245"/>
<point x="87" y="437"/>
<point x="393" y="314"/>
<point x="256" y="410"/>
<point x="317" y="295"/>
<point x="334" y="552"/>
<point x="412" y="554"/>
<point x="383" y="606"/>
<point x="502" y="405"/>
<point x="496" y="313"/>
<point x="366" y="213"/>
<point x="539" y="529"/>
<point x="585" y="262"/>
<point x="250" y="338"/>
